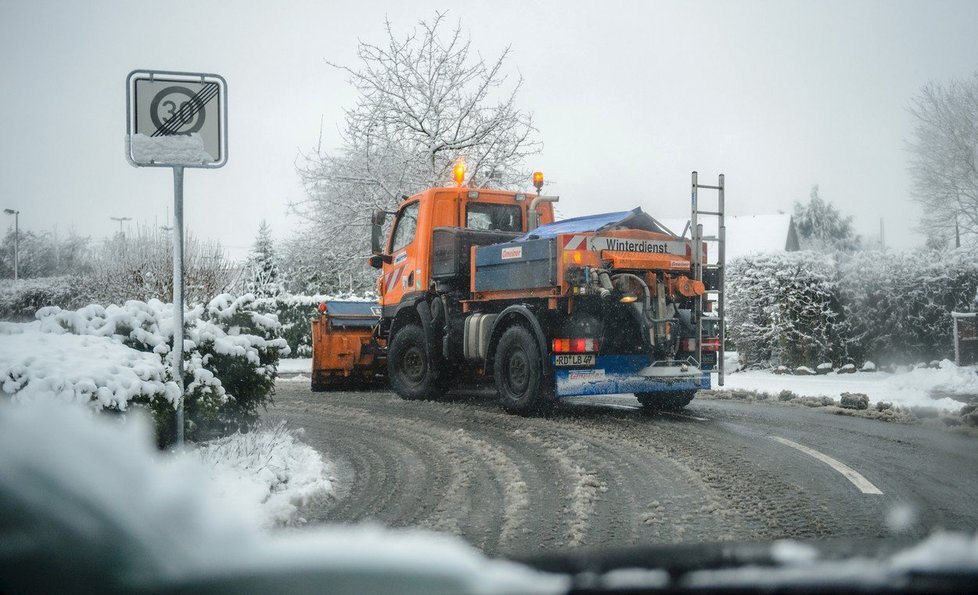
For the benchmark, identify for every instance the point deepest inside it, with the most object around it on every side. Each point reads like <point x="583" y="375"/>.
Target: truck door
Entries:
<point x="401" y="275"/>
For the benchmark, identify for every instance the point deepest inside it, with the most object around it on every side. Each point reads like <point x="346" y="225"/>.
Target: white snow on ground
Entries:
<point x="301" y="365"/>
<point x="912" y="388"/>
<point x="80" y="369"/>
<point x="267" y="473"/>
<point x="91" y="499"/>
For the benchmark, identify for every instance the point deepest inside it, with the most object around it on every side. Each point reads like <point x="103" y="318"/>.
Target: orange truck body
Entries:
<point x="483" y="284"/>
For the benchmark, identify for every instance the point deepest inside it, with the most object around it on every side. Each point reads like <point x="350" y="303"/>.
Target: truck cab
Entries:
<point x="406" y="258"/>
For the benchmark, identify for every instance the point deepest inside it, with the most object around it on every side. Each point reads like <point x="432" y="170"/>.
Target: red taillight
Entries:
<point x="711" y="344"/>
<point x="575" y="345"/>
<point x="689" y="345"/>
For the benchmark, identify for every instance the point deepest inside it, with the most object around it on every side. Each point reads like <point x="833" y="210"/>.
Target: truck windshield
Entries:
<point x="493" y="217"/>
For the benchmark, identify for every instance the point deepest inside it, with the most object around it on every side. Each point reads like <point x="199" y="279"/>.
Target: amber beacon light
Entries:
<point x="458" y="172"/>
<point x="538" y="180"/>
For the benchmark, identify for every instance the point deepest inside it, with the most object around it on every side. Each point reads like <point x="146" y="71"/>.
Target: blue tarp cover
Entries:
<point x="634" y="219"/>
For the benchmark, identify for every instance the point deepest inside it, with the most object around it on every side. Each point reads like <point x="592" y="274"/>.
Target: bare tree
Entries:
<point x="425" y="101"/>
<point x="139" y="266"/>
<point x="945" y="151"/>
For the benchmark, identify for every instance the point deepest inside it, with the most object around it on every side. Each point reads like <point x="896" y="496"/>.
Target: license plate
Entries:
<point x="575" y="360"/>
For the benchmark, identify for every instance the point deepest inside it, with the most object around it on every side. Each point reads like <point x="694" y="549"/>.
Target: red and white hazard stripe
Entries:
<point x="575" y="242"/>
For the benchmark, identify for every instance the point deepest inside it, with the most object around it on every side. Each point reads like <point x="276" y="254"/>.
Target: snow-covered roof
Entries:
<point x="747" y="234"/>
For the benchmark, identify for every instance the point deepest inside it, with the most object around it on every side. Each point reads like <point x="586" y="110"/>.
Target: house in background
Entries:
<point x="746" y="234"/>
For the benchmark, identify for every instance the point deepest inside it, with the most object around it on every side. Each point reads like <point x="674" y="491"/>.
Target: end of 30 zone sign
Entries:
<point x="176" y="119"/>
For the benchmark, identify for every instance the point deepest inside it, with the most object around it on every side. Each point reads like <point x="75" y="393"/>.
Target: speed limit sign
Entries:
<point x="176" y="119"/>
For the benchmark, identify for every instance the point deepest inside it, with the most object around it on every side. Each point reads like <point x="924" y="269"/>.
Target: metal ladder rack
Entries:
<point x="696" y="230"/>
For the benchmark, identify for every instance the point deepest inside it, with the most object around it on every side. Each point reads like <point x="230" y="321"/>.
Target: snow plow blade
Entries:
<point x="345" y="352"/>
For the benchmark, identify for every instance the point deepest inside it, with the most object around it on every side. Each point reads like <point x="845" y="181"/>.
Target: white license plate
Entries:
<point x="575" y="360"/>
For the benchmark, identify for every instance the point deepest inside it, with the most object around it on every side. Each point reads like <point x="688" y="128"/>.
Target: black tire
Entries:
<point x="409" y="368"/>
<point x="518" y="372"/>
<point x="676" y="401"/>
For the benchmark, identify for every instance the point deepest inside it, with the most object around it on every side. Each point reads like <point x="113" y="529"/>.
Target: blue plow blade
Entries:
<point x="614" y="374"/>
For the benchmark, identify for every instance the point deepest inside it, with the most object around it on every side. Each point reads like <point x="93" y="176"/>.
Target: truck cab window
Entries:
<point x="407" y="225"/>
<point x="493" y="217"/>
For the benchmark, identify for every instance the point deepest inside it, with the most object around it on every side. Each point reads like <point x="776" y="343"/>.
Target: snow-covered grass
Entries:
<point x="268" y="473"/>
<point x="921" y="387"/>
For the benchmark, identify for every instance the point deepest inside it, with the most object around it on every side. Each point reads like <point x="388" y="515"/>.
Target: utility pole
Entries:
<point x="16" y="215"/>
<point x="121" y="220"/>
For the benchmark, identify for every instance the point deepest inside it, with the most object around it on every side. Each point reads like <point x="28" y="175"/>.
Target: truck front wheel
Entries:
<point x="518" y="372"/>
<point x="665" y="401"/>
<point x="408" y="366"/>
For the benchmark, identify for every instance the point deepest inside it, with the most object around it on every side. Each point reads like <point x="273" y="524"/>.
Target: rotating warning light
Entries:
<point x="322" y="308"/>
<point x="458" y="172"/>
<point x="538" y="180"/>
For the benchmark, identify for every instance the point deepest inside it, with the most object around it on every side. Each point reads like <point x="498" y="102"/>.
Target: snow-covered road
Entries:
<point x="599" y="472"/>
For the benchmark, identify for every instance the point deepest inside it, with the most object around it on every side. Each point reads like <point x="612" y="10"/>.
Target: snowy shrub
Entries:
<point x="784" y="308"/>
<point x="20" y="300"/>
<point x="902" y="301"/>
<point x="230" y="355"/>
<point x="97" y="371"/>
<point x="805" y="308"/>
<point x="139" y="266"/>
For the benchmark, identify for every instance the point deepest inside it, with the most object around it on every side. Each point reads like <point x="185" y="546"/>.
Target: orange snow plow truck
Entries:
<point x="482" y="286"/>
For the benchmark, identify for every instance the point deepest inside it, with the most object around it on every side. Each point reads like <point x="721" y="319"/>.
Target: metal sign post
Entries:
<point x="176" y="120"/>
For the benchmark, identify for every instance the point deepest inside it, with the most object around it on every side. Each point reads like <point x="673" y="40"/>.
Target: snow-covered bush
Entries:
<point x="96" y="371"/>
<point x="20" y="300"/>
<point x="784" y="308"/>
<point x="139" y="266"/>
<point x="230" y="355"/>
<point x="902" y="301"/>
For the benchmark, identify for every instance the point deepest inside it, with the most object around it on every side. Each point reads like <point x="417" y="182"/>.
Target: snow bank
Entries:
<point x="89" y="502"/>
<point x="922" y="387"/>
<point x="300" y="365"/>
<point x="79" y="369"/>
<point x="267" y="473"/>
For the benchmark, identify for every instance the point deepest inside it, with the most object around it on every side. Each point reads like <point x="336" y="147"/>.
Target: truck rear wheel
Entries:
<point x="518" y="372"/>
<point x="408" y="366"/>
<point x="665" y="401"/>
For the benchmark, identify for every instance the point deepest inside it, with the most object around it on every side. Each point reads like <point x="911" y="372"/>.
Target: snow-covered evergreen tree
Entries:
<point x="822" y="227"/>
<point x="263" y="276"/>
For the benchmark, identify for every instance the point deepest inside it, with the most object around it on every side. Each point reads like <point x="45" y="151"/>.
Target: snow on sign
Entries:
<point x="176" y="119"/>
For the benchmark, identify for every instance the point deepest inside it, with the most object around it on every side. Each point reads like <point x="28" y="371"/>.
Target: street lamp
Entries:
<point x="16" y="237"/>
<point x="121" y="220"/>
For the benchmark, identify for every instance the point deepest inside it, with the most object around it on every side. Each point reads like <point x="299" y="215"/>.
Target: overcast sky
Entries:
<point x="628" y="99"/>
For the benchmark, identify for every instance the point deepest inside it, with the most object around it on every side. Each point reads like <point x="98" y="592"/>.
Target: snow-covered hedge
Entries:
<point x="806" y="308"/>
<point x="900" y="303"/>
<point x="19" y="301"/>
<point x="230" y="357"/>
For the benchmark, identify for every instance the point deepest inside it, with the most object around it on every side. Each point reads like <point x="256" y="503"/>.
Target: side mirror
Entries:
<point x="376" y="229"/>
<point x="377" y="260"/>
